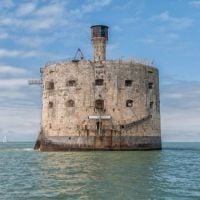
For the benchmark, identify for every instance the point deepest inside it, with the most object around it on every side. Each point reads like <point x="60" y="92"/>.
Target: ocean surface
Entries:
<point x="173" y="173"/>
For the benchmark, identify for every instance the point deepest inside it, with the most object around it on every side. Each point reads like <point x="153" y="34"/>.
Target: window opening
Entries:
<point x="71" y="83"/>
<point x="50" y="104"/>
<point x="151" y="105"/>
<point x="150" y="85"/>
<point x="129" y="103"/>
<point x="70" y="103"/>
<point x="99" y="104"/>
<point x="128" y="83"/>
<point x="51" y="85"/>
<point x="99" y="82"/>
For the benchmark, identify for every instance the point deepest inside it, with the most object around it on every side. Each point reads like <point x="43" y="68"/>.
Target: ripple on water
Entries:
<point x="172" y="173"/>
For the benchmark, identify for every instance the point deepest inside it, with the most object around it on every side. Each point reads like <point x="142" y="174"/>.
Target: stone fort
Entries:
<point x="100" y="104"/>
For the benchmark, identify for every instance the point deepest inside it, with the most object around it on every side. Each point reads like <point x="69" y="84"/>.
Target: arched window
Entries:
<point x="99" y="104"/>
<point x="71" y="83"/>
<point x="129" y="103"/>
<point x="50" y="104"/>
<point x="70" y="103"/>
<point x="99" y="82"/>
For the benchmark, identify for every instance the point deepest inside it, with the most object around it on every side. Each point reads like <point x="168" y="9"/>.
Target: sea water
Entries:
<point x="173" y="173"/>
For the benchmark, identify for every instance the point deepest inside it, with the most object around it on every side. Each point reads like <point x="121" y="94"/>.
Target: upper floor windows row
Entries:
<point x="98" y="82"/>
<point x="70" y="83"/>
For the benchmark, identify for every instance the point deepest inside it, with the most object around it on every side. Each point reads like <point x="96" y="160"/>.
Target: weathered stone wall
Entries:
<point x="99" y="48"/>
<point x="69" y="95"/>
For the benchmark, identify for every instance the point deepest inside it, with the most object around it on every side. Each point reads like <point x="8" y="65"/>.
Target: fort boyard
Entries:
<point x="99" y="104"/>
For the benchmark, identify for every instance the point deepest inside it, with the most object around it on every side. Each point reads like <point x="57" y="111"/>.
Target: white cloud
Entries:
<point x="7" y="3"/>
<point x="175" y="22"/>
<point x="46" y="23"/>
<point x="13" y="71"/>
<point x="13" y="83"/>
<point x="20" y="123"/>
<point x="50" y="10"/>
<point x="180" y="108"/>
<point x="26" y="9"/>
<point x="90" y="6"/>
<point x="17" y="53"/>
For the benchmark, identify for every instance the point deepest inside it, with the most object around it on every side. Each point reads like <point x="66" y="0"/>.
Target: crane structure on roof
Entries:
<point x="78" y="56"/>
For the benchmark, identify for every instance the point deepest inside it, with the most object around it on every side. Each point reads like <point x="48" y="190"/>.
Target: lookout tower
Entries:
<point x="99" y="37"/>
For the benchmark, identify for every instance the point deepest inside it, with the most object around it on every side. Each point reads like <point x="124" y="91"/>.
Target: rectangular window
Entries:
<point x="71" y="83"/>
<point x="50" y="85"/>
<point x="99" y="104"/>
<point x="128" y="83"/>
<point x="150" y="85"/>
<point x="99" y="82"/>
<point x="150" y="72"/>
<point x="50" y="104"/>
<point x="151" y="105"/>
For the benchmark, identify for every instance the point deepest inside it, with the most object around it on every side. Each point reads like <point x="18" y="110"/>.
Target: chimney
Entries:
<point x="99" y="37"/>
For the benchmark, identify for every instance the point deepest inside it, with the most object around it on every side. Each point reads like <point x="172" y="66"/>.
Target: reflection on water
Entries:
<point x="172" y="173"/>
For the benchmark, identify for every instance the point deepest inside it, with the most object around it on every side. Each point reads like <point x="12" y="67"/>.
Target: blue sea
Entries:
<point x="173" y="173"/>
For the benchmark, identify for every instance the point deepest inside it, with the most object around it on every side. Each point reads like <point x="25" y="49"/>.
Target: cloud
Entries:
<point x="20" y="123"/>
<point x="50" y="10"/>
<point x="13" y="83"/>
<point x="90" y="6"/>
<point x="11" y="71"/>
<point x="17" y="53"/>
<point x="26" y="9"/>
<point x="7" y="3"/>
<point x="180" y="108"/>
<point x="177" y="23"/>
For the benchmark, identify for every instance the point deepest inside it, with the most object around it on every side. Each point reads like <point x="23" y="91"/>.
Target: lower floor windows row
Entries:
<point x="99" y="104"/>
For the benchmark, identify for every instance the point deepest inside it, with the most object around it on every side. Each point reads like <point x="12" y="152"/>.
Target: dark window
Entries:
<point x="150" y="85"/>
<point x="98" y="125"/>
<point x="129" y="103"/>
<point x="99" y="104"/>
<point x="99" y="82"/>
<point x="50" y="85"/>
<point x="128" y="83"/>
<point x="151" y="105"/>
<point x="150" y="72"/>
<point x="71" y="83"/>
<point x="70" y="103"/>
<point x="50" y="104"/>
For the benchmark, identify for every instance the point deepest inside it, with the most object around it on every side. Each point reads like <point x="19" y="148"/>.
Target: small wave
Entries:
<point x="28" y="149"/>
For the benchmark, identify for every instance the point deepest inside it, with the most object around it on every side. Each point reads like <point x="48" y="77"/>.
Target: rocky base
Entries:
<point x="93" y="143"/>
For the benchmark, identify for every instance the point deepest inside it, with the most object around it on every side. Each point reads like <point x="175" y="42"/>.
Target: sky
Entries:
<point x="36" y="32"/>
